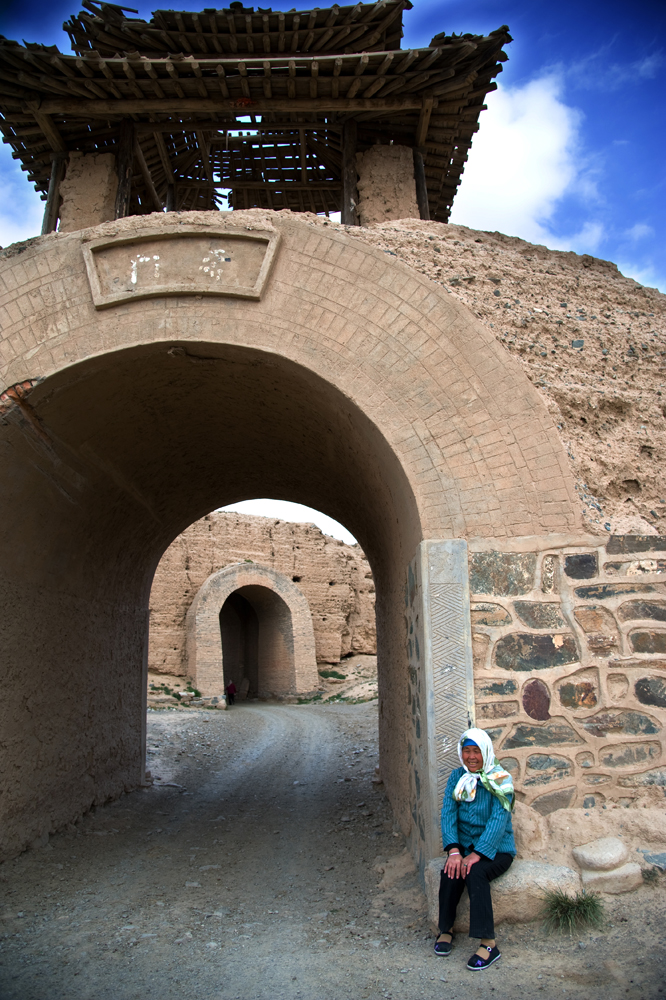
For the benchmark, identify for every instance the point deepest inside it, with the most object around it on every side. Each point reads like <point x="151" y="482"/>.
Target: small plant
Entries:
<point x="333" y="673"/>
<point x="193" y="690"/>
<point x="571" y="913"/>
<point x="165" y="689"/>
<point x="651" y="876"/>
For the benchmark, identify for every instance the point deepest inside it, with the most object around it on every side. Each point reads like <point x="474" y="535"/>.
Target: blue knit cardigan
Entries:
<point x="482" y="824"/>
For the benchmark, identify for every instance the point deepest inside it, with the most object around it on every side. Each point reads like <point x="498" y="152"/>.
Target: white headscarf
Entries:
<point x="493" y="777"/>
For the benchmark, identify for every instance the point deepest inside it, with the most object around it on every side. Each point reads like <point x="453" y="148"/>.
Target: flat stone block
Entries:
<point x="557" y="732"/>
<point x="622" y="879"/>
<point x="601" y="855"/>
<point x="517" y="895"/>
<point x="632" y="610"/>
<point x="615" y="722"/>
<point x="537" y="615"/>
<point x="525" y="651"/>
<point x="651" y="691"/>
<point x="648" y="641"/>
<point x="630" y="755"/>
<point x="501" y="573"/>
<point x="581" y="565"/>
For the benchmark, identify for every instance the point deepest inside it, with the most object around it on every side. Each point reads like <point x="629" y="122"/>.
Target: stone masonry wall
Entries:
<point x="570" y="665"/>
<point x="335" y="578"/>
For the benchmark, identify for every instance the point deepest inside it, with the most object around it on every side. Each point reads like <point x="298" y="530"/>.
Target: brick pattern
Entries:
<point x="472" y="434"/>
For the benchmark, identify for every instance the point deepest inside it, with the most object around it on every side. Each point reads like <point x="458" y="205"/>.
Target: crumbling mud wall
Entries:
<point x="569" y="638"/>
<point x="386" y="185"/>
<point x="335" y="578"/>
<point x="592" y="342"/>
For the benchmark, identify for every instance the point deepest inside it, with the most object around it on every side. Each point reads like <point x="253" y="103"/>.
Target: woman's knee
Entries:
<point x="477" y="875"/>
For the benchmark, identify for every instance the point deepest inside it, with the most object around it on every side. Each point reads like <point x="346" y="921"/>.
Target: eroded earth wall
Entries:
<point x="592" y="341"/>
<point x="335" y="578"/>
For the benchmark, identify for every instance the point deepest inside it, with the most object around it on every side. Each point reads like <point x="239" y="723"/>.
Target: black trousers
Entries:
<point x="481" y="924"/>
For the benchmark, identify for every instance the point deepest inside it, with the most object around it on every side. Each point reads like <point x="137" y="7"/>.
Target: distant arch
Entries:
<point x="282" y="660"/>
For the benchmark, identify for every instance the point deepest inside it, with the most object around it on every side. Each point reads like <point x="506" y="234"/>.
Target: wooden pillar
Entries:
<point x="349" y="216"/>
<point x="125" y="165"/>
<point x="421" y="188"/>
<point x="171" y="198"/>
<point x="52" y="209"/>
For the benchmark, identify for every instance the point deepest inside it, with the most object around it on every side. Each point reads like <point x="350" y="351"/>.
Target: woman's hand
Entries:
<point x="467" y="862"/>
<point x="453" y="865"/>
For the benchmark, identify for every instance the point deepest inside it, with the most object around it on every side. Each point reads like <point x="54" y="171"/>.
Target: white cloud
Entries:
<point x="287" y="511"/>
<point x="644" y="274"/>
<point x="639" y="231"/>
<point x="21" y="210"/>
<point x="522" y="162"/>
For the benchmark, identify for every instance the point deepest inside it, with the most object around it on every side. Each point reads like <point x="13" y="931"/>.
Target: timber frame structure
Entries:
<point x="271" y="107"/>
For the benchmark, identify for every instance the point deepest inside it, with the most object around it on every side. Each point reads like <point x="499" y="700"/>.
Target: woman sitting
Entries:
<point x="478" y="836"/>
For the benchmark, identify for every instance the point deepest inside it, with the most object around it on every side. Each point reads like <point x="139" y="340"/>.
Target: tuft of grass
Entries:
<point x="651" y="875"/>
<point x="572" y="913"/>
<point x="333" y="673"/>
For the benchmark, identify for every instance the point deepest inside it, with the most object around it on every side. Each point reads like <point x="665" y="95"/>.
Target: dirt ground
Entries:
<point x="262" y="864"/>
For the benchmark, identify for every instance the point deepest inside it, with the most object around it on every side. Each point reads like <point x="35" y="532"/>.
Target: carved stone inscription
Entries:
<point x="177" y="261"/>
<point x="448" y="661"/>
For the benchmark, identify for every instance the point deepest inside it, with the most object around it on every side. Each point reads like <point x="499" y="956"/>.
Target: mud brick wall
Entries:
<point x="570" y="665"/>
<point x="335" y="578"/>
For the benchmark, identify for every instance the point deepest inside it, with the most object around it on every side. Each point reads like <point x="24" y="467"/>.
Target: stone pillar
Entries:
<point x="439" y="646"/>
<point x="386" y="186"/>
<point x="88" y="191"/>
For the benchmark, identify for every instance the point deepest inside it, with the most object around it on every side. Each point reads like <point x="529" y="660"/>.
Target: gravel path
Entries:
<point x="263" y="865"/>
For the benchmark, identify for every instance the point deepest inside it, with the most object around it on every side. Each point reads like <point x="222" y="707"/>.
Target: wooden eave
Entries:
<point x="184" y="106"/>
<point x="239" y="30"/>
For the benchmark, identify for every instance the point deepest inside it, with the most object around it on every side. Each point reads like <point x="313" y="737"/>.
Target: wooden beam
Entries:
<point x="55" y="140"/>
<point x="278" y="186"/>
<point x="125" y="165"/>
<point x="171" y="198"/>
<point x="420" y="181"/>
<point x="349" y="216"/>
<point x="242" y="106"/>
<point x="162" y="150"/>
<point x="52" y="209"/>
<point x="424" y="121"/>
<point x="230" y="123"/>
<point x="203" y="148"/>
<point x="145" y="170"/>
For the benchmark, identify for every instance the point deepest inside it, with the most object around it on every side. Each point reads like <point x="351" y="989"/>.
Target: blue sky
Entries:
<point x="571" y="151"/>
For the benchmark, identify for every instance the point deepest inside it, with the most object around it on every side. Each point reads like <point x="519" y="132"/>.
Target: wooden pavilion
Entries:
<point x="266" y="108"/>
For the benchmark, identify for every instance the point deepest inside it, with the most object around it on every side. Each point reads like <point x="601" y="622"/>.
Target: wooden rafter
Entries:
<point x="187" y="79"/>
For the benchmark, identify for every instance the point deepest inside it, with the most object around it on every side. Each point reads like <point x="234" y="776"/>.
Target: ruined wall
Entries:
<point x="386" y="185"/>
<point x="88" y="191"/>
<point x="570" y="665"/>
<point x="334" y="577"/>
<point x="591" y="341"/>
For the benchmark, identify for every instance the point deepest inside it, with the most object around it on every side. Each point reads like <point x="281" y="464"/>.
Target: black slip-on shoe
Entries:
<point x="476" y="963"/>
<point x="443" y="948"/>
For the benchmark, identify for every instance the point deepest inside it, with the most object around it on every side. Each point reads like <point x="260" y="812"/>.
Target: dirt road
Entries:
<point x="263" y="865"/>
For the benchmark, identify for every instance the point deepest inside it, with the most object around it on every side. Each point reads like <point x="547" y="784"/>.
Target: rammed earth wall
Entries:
<point x="569" y="640"/>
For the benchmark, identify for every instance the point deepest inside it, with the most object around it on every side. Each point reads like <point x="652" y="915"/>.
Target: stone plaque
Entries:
<point x="179" y="260"/>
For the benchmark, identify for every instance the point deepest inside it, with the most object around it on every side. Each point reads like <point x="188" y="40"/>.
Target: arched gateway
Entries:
<point x="162" y="370"/>
<point x="250" y="623"/>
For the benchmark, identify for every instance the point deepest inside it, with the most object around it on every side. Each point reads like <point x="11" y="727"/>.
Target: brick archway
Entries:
<point x="139" y="406"/>
<point x="287" y="662"/>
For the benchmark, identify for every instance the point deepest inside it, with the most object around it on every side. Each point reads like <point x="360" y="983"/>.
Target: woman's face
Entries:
<point x="472" y="758"/>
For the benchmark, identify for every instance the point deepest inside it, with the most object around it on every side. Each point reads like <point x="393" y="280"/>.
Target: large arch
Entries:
<point x="287" y="663"/>
<point x="138" y="417"/>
